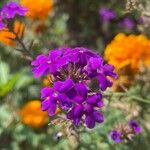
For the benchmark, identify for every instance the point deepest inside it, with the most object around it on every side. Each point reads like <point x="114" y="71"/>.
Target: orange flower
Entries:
<point x="123" y="82"/>
<point x="32" y="115"/>
<point x="38" y="9"/>
<point x="19" y="29"/>
<point x="8" y="38"/>
<point x="47" y="81"/>
<point x="128" y="51"/>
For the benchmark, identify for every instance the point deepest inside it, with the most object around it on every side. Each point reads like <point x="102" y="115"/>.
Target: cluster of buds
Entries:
<point x="125" y="132"/>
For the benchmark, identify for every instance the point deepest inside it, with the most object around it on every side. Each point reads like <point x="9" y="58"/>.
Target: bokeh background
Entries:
<point x="70" y="23"/>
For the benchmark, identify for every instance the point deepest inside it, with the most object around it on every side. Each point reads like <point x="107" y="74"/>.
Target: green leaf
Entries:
<point x="24" y="81"/>
<point x="5" y="88"/>
<point x="4" y="73"/>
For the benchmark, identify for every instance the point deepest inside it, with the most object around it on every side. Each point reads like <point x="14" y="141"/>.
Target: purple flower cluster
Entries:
<point x="9" y="11"/>
<point x="127" y="23"/>
<point x="134" y="125"/>
<point x="73" y="72"/>
<point x="116" y="136"/>
<point x="125" y="131"/>
<point x="106" y="14"/>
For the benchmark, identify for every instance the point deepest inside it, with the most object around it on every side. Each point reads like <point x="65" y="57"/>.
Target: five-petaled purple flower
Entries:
<point x="74" y="71"/>
<point x="115" y="136"/>
<point x="134" y="125"/>
<point x="106" y="14"/>
<point x="9" y="11"/>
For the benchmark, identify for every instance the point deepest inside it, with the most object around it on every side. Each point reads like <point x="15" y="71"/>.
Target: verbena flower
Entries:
<point x="106" y="14"/>
<point x="73" y="72"/>
<point x="124" y="131"/>
<point x="128" y="51"/>
<point x="38" y="10"/>
<point x="115" y="136"/>
<point x="9" y="11"/>
<point x="135" y="126"/>
<point x="127" y="23"/>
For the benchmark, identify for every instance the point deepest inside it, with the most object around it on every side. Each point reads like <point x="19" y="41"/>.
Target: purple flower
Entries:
<point x="127" y="23"/>
<point x="106" y="14"/>
<point x="11" y="9"/>
<point x="115" y="136"/>
<point x="135" y="126"/>
<point x="58" y="94"/>
<point x="95" y="67"/>
<point x="50" y="63"/>
<point x="73" y="72"/>
<point x="85" y="105"/>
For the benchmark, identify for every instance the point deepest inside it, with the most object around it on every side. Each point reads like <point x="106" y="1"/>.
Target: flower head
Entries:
<point x="32" y="115"/>
<point x="106" y="14"/>
<point x="124" y="131"/>
<point x="73" y="72"/>
<point x="128" y="51"/>
<point x="8" y="37"/>
<point x="115" y="136"/>
<point x="10" y="9"/>
<point x="127" y="23"/>
<point x="135" y="126"/>
<point x="38" y="10"/>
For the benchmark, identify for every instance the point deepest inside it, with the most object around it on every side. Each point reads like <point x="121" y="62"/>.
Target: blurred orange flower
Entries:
<point x="38" y="9"/>
<point x="123" y="82"/>
<point x="32" y="115"/>
<point x="128" y="51"/>
<point x="47" y="81"/>
<point x="8" y="37"/>
<point x="19" y="29"/>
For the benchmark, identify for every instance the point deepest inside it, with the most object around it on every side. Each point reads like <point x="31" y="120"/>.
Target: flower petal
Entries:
<point x="52" y="109"/>
<point x="98" y="116"/>
<point x="90" y="121"/>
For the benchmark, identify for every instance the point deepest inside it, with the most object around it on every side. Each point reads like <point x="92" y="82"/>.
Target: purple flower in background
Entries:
<point x="127" y="23"/>
<point x="141" y="20"/>
<point x="134" y="125"/>
<point x="11" y="9"/>
<point x="73" y="72"/>
<point x="106" y="14"/>
<point x="115" y="136"/>
<point x="125" y="131"/>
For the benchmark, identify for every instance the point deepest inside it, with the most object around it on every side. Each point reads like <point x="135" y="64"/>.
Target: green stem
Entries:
<point x="133" y="97"/>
